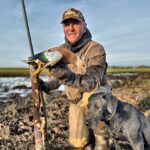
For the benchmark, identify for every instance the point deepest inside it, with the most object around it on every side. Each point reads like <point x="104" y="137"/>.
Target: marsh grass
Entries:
<point x="128" y="70"/>
<point x="13" y="72"/>
<point x="10" y="72"/>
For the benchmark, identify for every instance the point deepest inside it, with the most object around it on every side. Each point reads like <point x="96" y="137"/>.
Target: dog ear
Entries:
<point x="111" y="103"/>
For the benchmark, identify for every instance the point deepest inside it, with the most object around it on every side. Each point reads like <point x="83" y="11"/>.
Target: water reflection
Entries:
<point x="10" y="86"/>
<point x="16" y="86"/>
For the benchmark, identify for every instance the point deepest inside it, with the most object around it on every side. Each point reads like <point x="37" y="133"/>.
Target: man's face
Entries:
<point x="73" y="30"/>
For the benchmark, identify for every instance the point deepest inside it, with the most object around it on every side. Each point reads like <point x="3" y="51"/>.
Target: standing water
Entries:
<point x="16" y="86"/>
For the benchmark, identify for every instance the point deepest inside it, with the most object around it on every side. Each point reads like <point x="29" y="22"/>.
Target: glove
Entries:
<point x="84" y="83"/>
<point x="60" y="71"/>
<point x="66" y="77"/>
<point x="49" y="85"/>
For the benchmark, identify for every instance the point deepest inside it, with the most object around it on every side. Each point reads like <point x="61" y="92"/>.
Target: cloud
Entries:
<point x="128" y="59"/>
<point x="121" y="26"/>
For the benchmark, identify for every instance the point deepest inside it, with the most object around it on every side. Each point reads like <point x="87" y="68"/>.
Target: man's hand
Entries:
<point x="60" y="71"/>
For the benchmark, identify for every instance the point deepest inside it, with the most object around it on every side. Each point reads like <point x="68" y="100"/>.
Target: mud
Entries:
<point x="16" y="117"/>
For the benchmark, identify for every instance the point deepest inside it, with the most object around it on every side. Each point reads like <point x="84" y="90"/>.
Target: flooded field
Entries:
<point x="14" y="86"/>
<point x="11" y="87"/>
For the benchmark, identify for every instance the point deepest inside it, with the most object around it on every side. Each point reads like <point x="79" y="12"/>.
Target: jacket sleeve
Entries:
<point x="96" y="69"/>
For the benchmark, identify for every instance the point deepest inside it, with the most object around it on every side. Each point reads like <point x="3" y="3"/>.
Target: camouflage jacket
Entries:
<point x="93" y="56"/>
<point x="89" y="74"/>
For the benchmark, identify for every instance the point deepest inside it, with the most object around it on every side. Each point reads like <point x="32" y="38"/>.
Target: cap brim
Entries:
<point x="75" y="18"/>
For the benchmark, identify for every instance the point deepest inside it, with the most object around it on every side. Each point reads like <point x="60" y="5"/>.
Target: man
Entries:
<point x="82" y="82"/>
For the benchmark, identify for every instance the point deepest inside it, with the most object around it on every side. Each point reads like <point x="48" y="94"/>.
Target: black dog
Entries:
<point x="125" y="122"/>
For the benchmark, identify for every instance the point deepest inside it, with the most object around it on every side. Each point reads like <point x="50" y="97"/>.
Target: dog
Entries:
<point x="126" y="124"/>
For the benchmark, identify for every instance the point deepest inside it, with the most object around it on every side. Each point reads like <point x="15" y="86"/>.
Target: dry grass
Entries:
<point x="133" y="89"/>
<point x="11" y="109"/>
<point x="4" y="132"/>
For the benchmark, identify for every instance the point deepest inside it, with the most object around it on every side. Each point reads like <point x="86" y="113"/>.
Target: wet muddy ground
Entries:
<point x="16" y="117"/>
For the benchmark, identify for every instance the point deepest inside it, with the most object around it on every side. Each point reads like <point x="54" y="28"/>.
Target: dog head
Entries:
<point x="100" y="108"/>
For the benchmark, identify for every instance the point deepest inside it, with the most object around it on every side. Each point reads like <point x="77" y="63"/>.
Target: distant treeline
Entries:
<point x="6" y="72"/>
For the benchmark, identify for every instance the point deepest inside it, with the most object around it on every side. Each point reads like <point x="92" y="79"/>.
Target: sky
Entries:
<point x="121" y="26"/>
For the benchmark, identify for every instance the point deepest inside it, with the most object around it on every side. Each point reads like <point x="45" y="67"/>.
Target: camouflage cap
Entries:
<point x="72" y="13"/>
